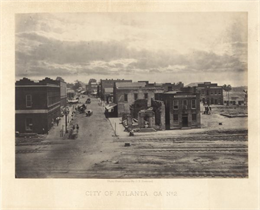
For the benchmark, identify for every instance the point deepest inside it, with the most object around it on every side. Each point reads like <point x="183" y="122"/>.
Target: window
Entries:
<point x="202" y="91"/>
<point x="193" y="103"/>
<point x="28" y="124"/>
<point x="136" y="96"/>
<point x="175" y="104"/>
<point x="175" y="117"/>
<point x="28" y="100"/>
<point x="125" y="97"/>
<point x="194" y="117"/>
<point x="146" y="95"/>
<point x="185" y="103"/>
<point x="216" y="101"/>
<point x="215" y="92"/>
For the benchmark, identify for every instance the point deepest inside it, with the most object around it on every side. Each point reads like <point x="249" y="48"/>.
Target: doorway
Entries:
<point x="184" y="120"/>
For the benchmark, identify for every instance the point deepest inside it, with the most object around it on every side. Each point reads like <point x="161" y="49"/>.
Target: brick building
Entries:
<point x="108" y="95"/>
<point x="37" y="105"/>
<point x="63" y="91"/>
<point x="210" y="93"/>
<point x="166" y="86"/>
<point x="126" y="93"/>
<point x="182" y="108"/>
<point x="172" y="86"/>
<point x="108" y="83"/>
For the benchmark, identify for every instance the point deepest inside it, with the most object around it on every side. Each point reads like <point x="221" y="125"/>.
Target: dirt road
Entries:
<point x="96" y="153"/>
<point x="69" y="158"/>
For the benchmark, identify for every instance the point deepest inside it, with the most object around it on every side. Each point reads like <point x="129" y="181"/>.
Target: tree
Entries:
<point x="74" y="86"/>
<point x="227" y="88"/>
<point x="77" y="85"/>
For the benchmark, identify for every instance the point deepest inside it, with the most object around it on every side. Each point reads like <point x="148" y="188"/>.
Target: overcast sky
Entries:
<point x="159" y="47"/>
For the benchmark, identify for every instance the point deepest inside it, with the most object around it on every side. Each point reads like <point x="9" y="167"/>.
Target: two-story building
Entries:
<point x="37" y="105"/>
<point x="108" y="83"/>
<point x="210" y="93"/>
<point x="182" y="108"/>
<point x="126" y="93"/>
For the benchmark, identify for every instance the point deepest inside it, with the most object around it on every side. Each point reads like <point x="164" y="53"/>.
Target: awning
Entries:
<point x="110" y="106"/>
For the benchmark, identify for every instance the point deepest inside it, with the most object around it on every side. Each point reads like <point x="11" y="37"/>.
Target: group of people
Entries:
<point x="81" y="108"/>
<point x="77" y="127"/>
<point x="73" y="132"/>
<point x="207" y="110"/>
<point x="57" y="120"/>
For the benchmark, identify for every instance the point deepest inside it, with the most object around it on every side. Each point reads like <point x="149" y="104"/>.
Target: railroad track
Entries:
<point x="182" y="139"/>
<point x="196" y="151"/>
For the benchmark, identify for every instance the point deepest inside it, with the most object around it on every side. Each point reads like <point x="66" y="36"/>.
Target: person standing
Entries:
<point x="77" y="128"/>
<point x="57" y="121"/>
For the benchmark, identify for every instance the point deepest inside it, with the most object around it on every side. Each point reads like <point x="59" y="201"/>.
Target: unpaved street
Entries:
<point x="97" y="153"/>
<point x="69" y="158"/>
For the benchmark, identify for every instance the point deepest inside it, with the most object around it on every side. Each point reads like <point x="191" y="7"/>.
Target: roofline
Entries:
<point x="40" y="85"/>
<point x="147" y="88"/>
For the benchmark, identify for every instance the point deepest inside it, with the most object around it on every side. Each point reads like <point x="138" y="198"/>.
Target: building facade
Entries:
<point x="210" y="93"/>
<point x="37" y="105"/>
<point x="93" y="88"/>
<point x="172" y="86"/>
<point x="108" y="83"/>
<point x="126" y="93"/>
<point x="70" y="94"/>
<point x="182" y="108"/>
<point x="63" y="91"/>
<point x="108" y="95"/>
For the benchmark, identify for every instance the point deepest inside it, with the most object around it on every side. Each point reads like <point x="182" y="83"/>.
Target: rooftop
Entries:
<point x="195" y="84"/>
<point x="45" y="81"/>
<point x="130" y="84"/>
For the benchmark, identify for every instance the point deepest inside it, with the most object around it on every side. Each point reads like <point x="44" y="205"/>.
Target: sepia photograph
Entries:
<point x="129" y="105"/>
<point x="131" y="95"/>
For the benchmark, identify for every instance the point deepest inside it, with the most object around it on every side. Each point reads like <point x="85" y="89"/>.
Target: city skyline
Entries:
<point x="158" y="47"/>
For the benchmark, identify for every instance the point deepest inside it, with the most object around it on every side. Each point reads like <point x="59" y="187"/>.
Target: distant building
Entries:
<point x="126" y="93"/>
<point x="108" y="83"/>
<point x="210" y="93"/>
<point x="182" y="108"/>
<point x="92" y="87"/>
<point x="237" y="96"/>
<point x="37" y="105"/>
<point x="108" y="95"/>
<point x="63" y="91"/>
<point x="172" y="87"/>
<point x="166" y="86"/>
<point x="70" y="94"/>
